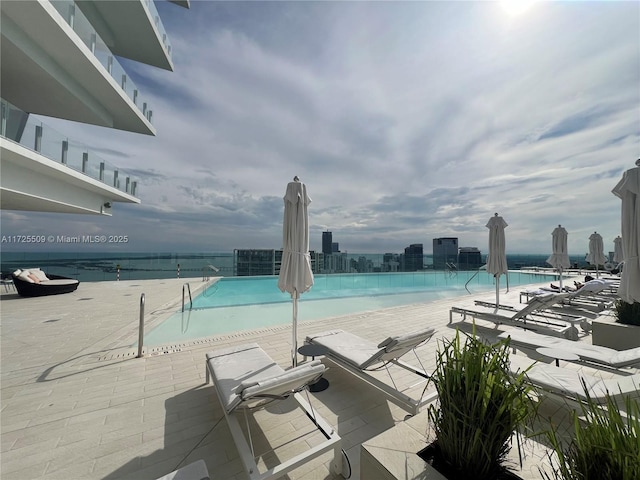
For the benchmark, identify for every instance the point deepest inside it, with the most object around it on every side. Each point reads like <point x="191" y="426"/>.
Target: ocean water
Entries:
<point x="109" y="266"/>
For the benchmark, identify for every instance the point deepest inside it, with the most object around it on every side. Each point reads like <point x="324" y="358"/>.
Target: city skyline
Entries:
<point x="407" y="121"/>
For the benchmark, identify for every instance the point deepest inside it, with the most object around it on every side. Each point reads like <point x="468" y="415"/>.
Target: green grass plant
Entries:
<point x="627" y="313"/>
<point x="605" y="444"/>
<point x="480" y="405"/>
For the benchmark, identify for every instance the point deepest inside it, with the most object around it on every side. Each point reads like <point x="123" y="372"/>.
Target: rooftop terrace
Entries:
<point x="77" y="403"/>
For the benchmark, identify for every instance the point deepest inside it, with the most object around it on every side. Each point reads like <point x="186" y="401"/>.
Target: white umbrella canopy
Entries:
<point x="559" y="259"/>
<point x="628" y="189"/>
<point x="596" y="251"/>
<point x="617" y="250"/>
<point x="296" y="276"/>
<point x="497" y="258"/>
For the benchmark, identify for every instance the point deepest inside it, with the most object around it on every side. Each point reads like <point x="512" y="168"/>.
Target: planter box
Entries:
<point x="607" y="333"/>
<point x="392" y="455"/>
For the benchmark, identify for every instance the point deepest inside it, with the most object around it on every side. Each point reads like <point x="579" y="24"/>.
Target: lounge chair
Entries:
<point x="34" y="282"/>
<point x="533" y="316"/>
<point x="568" y="383"/>
<point x="246" y="378"/>
<point x="594" y="355"/>
<point x="595" y="295"/>
<point x="360" y="356"/>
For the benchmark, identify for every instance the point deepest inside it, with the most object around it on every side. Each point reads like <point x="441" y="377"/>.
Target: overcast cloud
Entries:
<point x="407" y="121"/>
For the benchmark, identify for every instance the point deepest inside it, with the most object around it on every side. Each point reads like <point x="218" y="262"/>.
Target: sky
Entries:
<point x="407" y="121"/>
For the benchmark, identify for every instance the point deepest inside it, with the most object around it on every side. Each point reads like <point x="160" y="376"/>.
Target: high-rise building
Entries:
<point x="390" y="262"/>
<point x="266" y="261"/>
<point x="327" y="243"/>
<point x="413" y="258"/>
<point x="469" y="258"/>
<point x="60" y="59"/>
<point x="445" y="251"/>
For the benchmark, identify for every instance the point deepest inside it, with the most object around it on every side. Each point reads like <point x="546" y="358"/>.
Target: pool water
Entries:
<point x="244" y="303"/>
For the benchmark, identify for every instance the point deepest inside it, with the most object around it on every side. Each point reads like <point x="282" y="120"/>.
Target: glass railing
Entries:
<point x="79" y="23"/>
<point x="157" y="21"/>
<point x="112" y="265"/>
<point x="35" y="135"/>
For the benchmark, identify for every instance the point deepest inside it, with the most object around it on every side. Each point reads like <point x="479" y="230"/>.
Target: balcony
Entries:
<point x="43" y="170"/>
<point x="52" y="47"/>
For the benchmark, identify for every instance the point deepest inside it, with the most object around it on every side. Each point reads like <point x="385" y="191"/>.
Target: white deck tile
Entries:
<point x="76" y="403"/>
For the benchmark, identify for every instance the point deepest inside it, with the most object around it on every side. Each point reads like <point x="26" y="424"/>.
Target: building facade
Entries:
<point x="60" y="59"/>
<point x="249" y="262"/>
<point x="413" y="258"/>
<point x="469" y="258"/>
<point x="445" y="252"/>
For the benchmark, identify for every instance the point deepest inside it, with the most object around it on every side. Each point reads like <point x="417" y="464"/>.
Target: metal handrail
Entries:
<point x="472" y="277"/>
<point x="205" y="272"/>
<point x="190" y="299"/>
<point x="141" y="328"/>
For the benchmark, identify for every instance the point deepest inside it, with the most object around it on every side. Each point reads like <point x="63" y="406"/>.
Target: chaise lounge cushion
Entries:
<point x="363" y="353"/>
<point x="569" y="383"/>
<point x="245" y="372"/>
<point x="587" y="352"/>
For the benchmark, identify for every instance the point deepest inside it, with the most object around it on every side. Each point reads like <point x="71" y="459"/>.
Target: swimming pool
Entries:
<point x="244" y="303"/>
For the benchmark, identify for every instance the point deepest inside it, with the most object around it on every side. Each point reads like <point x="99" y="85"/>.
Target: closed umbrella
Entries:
<point x="617" y="250"/>
<point x="295" y="276"/>
<point x="497" y="258"/>
<point x="628" y="189"/>
<point x="596" y="251"/>
<point x="559" y="259"/>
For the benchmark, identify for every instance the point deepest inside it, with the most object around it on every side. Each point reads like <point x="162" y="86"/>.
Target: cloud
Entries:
<point x="408" y="121"/>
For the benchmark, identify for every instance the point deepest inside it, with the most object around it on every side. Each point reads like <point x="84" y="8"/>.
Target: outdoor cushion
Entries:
<point x="39" y="274"/>
<point x="243" y="372"/>
<point x="24" y="275"/>
<point x="363" y="353"/>
<point x="349" y="347"/>
<point x="586" y="352"/>
<point x="569" y="383"/>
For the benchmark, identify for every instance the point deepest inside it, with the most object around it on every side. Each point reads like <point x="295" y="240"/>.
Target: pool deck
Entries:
<point x="78" y="404"/>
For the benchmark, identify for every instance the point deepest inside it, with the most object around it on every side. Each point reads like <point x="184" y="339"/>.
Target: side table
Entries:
<point x="558" y="354"/>
<point x="314" y="351"/>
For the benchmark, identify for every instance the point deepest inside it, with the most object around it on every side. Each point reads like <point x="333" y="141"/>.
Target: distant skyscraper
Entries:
<point x="445" y="250"/>
<point x="327" y="242"/>
<point x="413" y="258"/>
<point x="469" y="258"/>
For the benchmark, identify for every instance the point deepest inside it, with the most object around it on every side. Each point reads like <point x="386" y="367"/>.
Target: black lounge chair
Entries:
<point x="54" y="285"/>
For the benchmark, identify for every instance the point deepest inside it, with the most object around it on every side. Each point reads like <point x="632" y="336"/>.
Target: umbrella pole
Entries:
<point x="497" y="291"/>
<point x="560" y="270"/>
<point x="294" y="342"/>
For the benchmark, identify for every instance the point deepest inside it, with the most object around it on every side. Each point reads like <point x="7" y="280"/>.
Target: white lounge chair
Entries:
<point x="360" y="356"/>
<point x="246" y="378"/>
<point x="533" y="316"/>
<point x="570" y="384"/>
<point x="589" y="354"/>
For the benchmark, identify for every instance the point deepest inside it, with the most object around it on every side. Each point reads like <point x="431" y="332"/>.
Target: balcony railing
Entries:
<point x="151" y="6"/>
<point x="31" y="133"/>
<point x="79" y="23"/>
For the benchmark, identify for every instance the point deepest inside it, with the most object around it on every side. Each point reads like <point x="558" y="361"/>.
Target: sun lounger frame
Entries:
<point x="245" y="449"/>
<point x="587" y="355"/>
<point x="549" y="380"/>
<point x="396" y="396"/>
<point x="537" y="322"/>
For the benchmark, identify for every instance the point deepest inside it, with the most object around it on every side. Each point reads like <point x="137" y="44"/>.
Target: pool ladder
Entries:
<point x="190" y="299"/>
